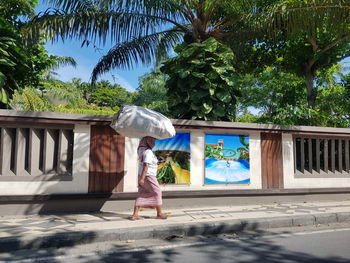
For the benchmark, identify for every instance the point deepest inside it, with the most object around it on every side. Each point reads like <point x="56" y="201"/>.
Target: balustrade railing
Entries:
<point x="318" y="155"/>
<point x="34" y="151"/>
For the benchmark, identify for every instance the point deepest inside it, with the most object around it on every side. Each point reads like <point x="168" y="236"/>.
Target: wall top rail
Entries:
<point x="210" y="125"/>
<point x="72" y="118"/>
<point x="53" y="117"/>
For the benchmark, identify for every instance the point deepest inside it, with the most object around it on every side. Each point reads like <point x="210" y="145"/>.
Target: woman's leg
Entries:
<point x="135" y="215"/>
<point x="160" y="214"/>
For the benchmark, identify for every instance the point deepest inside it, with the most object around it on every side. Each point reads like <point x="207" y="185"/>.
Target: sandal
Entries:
<point x="162" y="216"/>
<point x="134" y="218"/>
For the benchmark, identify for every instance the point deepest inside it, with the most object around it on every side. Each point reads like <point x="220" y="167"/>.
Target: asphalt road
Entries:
<point x="322" y="244"/>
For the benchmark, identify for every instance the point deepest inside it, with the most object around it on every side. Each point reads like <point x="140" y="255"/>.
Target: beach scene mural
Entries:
<point x="226" y="159"/>
<point x="173" y="159"/>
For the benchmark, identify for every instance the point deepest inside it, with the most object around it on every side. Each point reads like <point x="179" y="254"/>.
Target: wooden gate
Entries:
<point x="106" y="160"/>
<point x="271" y="160"/>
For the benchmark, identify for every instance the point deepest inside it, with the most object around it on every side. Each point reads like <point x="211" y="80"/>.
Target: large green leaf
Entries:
<point x="218" y="110"/>
<point x="207" y="107"/>
<point x="192" y="81"/>
<point x="230" y="80"/>
<point x="210" y="45"/>
<point x="199" y="94"/>
<point x="184" y="73"/>
<point x="198" y="75"/>
<point x="195" y="107"/>
<point x="2" y="79"/>
<point x="223" y="96"/>
<point x="212" y="90"/>
<point x="212" y="75"/>
<point x="3" y="95"/>
<point x="7" y="62"/>
<point x="188" y="52"/>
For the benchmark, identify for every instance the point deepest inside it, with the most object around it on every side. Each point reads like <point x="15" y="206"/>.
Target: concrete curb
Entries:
<point x="207" y="228"/>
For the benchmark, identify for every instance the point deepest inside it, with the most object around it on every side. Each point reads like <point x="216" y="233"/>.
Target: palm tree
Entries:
<point x="142" y="31"/>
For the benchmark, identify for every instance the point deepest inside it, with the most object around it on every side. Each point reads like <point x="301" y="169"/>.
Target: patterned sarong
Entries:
<point x="149" y="195"/>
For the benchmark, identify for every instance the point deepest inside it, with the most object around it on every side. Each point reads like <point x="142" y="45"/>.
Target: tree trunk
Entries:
<point x="309" y="81"/>
<point x="311" y="96"/>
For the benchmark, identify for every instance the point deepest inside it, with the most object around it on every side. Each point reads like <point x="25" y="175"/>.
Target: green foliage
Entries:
<point x="151" y="92"/>
<point x="56" y="62"/>
<point x="333" y="101"/>
<point x="294" y="16"/>
<point x="20" y="65"/>
<point x="284" y="46"/>
<point x="106" y="94"/>
<point x="86" y="109"/>
<point x="58" y="91"/>
<point x="270" y="91"/>
<point x="14" y="63"/>
<point x="85" y="88"/>
<point x="13" y="10"/>
<point x="45" y="98"/>
<point x="56" y="96"/>
<point x="280" y="97"/>
<point x="248" y="117"/>
<point x="30" y="99"/>
<point x="202" y="82"/>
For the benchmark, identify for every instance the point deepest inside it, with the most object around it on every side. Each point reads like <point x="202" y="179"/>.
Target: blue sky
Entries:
<point x="87" y="58"/>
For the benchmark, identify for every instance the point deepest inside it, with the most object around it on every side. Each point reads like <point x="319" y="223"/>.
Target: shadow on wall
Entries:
<point x="105" y="176"/>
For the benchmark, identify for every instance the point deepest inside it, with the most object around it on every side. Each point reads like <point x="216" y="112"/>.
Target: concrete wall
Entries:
<point x="79" y="181"/>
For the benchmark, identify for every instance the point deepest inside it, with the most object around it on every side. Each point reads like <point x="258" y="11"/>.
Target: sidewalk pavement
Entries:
<point x="29" y="232"/>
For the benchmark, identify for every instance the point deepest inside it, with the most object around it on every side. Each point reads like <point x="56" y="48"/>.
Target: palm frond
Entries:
<point x="144" y="50"/>
<point x="309" y="16"/>
<point x="64" y="61"/>
<point x="71" y="5"/>
<point x="97" y="25"/>
<point x="167" y="41"/>
<point x="62" y="91"/>
<point x="30" y="100"/>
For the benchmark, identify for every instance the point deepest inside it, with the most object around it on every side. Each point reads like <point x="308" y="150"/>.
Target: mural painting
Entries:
<point x="226" y="159"/>
<point x="174" y="159"/>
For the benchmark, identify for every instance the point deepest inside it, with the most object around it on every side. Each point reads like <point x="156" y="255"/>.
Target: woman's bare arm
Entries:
<point x="143" y="174"/>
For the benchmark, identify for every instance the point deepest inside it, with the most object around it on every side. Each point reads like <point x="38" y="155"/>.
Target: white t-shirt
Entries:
<point x="150" y="158"/>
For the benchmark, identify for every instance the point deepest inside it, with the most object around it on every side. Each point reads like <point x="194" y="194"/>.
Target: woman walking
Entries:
<point x="149" y="194"/>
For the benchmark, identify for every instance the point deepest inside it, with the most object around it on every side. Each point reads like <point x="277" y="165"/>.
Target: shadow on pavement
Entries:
<point x="238" y="248"/>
